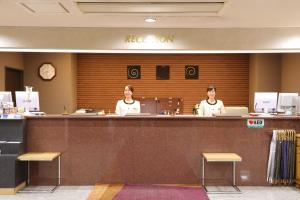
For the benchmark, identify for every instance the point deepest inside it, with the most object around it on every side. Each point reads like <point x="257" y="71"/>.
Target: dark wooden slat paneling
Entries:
<point x="101" y="78"/>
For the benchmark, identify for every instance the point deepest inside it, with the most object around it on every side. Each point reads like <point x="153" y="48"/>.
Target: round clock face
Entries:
<point x="47" y="71"/>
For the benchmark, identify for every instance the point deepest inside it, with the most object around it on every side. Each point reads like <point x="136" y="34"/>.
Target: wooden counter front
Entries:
<point x="151" y="149"/>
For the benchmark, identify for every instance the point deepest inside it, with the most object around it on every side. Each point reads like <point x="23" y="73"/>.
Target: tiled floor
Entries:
<point x="61" y="193"/>
<point x="248" y="193"/>
<point x="261" y="193"/>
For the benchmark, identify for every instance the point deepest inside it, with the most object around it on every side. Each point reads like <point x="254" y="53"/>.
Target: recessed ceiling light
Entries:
<point x="150" y="19"/>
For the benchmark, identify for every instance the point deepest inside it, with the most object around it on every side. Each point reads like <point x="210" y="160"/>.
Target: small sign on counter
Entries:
<point x="11" y="116"/>
<point x="255" y="123"/>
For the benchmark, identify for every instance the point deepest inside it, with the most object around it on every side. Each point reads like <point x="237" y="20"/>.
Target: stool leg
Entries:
<point x="233" y="173"/>
<point x="28" y="172"/>
<point x="233" y="181"/>
<point x="203" y="172"/>
<point x="58" y="170"/>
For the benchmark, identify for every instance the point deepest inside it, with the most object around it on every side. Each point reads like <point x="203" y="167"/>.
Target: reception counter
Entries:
<point x="151" y="149"/>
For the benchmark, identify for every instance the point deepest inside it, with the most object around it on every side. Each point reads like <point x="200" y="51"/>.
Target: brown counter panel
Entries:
<point x="151" y="150"/>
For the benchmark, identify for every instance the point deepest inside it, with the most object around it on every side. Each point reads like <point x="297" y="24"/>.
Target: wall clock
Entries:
<point x="47" y="71"/>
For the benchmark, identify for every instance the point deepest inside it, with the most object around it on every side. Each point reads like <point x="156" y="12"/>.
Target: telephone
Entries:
<point x="85" y="110"/>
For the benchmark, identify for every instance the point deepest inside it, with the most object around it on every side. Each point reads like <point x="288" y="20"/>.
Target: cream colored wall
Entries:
<point x="115" y="39"/>
<point x="59" y="92"/>
<point x="290" y="74"/>
<point x="264" y="74"/>
<point x="13" y="60"/>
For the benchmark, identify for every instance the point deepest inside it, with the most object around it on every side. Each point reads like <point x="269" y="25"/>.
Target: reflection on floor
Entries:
<point x="87" y="192"/>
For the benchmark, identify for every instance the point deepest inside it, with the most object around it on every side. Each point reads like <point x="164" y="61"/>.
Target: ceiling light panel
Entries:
<point x="151" y="7"/>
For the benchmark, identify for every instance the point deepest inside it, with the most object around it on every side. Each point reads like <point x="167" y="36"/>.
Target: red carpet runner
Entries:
<point x="158" y="192"/>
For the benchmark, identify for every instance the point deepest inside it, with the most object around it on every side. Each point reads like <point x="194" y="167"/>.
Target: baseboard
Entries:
<point x="12" y="191"/>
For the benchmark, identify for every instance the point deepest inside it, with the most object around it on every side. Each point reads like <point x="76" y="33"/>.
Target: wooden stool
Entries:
<point x="37" y="156"/>
<point x="221" y="157"/>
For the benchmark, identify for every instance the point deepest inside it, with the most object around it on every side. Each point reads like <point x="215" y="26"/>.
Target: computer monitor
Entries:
<point x="287" y="102"/>
<point x="298" y="106"/>
<point x="5" y="96"/>
<point x="33" y="102"/>
<point x="265" y="102"/>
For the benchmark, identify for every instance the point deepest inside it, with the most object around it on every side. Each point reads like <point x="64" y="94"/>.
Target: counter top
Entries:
<point x="60" y="116"/>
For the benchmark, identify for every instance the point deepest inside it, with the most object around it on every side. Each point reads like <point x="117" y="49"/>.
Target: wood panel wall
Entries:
<point x="101" y="78"/>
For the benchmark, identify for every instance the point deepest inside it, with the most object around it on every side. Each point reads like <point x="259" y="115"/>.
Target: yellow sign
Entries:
<point x="149" y="38"/>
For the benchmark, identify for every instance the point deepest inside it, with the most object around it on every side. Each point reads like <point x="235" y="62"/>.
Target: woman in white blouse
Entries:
<point x="129" y="104"/>
<point x="211" y="106"/>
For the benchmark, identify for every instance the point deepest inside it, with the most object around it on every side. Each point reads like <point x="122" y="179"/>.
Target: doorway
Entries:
<point x="13" y="81"/>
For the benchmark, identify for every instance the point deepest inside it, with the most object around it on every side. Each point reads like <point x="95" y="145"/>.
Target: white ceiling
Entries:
<point x="235" y="14"/>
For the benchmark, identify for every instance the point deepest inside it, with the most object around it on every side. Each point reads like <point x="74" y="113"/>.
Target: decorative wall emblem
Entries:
<point x="191" y="72"/>
<point x="162" y="72"/>
<point x="133" y="72"/>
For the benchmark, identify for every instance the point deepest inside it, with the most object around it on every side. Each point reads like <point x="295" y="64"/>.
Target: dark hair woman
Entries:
<point x="211" y="106"/>
<point x="129" y="104"/>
